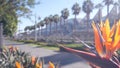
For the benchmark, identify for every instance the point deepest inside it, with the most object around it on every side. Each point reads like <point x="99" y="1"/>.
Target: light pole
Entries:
<point x="35" y="22"/>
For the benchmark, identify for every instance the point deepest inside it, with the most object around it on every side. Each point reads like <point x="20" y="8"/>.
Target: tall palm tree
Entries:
<point x="26" y="28"/>
<point x="116" y="5"/>
<point x="46" y="19"/>
<point x="42" y="25"/>
<point x="50" y="22"/>
<point x="64" y="15"/>
<point x="38" y="26"/>
<point x="108" y="3"/>
<point x="30" y="28"/>
<point x="32" y="32"/>
<point x="99" y="6"/>
<point x="26" y="31"/>
<point x="76" y="10"/>
<point x="87" y="7"/>
<point x="119" y="9"/>
<point x="56" y="19"/>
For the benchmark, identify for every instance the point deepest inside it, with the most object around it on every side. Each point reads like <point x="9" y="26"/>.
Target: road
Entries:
<point x="65" y="60"/>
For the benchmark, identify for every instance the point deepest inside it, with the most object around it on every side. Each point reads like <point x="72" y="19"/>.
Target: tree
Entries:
<point x="64" y="15"/>
<point x="119" y="9"/>
<point x="38" y="26"/>
<point x="56" y="19"/>
<point x="99" y="6"/>
<point x="87" y="7"/>
<point x="42" y="25"/>
<point x="50" y="22"/>
<point x="10" y="10"/>
<point x="27" y="30"/>
<point x="9" y="24"/>
<point x="18" y="7"/>
<point x="116" y="5"/>
<point x="108" y="3"/>
<point x="76" y="10"/>
<point x="46" y="19"/>
<point x="119" y="5"/>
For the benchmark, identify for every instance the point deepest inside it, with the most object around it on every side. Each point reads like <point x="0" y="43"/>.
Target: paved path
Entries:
<point x="66" y="60"/>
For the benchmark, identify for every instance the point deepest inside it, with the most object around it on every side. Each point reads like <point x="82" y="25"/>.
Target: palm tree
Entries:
<point x="64" y="15"/>
<point x="32" y="29"/>
<point x="42" y="25"/>
<point x="119" y="9"/>
<point x="108" y="3"/>
<point x="116" y="4"/>
<point x="99" y="6"/>
<point x="46" y="19"/>
<point x="87" y="7"/>
<point x="56" y="19"/>
<point x="27" y="29"/>
<point x="38" y="26"/>
<point x="119" y="5"/>
<point x="50" y="22"/>
<point x="76" y="10"/>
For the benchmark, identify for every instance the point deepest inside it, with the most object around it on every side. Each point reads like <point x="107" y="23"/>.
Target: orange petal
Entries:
<point x="112" y="30"/>
<point x="33" y="60"/>
<point x="98" y="44"/>
<point x="40" y="64"/>
<point x="51" y="65"/>
<point x="37" y="65"/>
<point x="18" y="65"/>
<point x="107" y="27"/>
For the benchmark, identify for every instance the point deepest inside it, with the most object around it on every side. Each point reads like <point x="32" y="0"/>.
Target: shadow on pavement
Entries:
<point x="63" y="59"/>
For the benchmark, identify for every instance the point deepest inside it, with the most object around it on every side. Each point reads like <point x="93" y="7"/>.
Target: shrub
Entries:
<point x="12" y="57"/>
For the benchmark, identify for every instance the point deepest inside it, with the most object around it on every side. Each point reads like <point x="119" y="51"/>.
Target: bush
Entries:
<point x="12" y="57"/>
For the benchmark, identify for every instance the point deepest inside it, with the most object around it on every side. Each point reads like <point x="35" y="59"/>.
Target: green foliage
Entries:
<point x="12" y="57"/>
<point x="87" y="6"/>
<point x="76" y="9"/>
<point x="9" y="24"/>
<point x="10" y="10"/>
<point x="56" y="18"/>
<point x="65" y="13"/>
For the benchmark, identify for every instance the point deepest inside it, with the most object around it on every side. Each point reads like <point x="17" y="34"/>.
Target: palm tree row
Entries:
<point x="87" y="7"/>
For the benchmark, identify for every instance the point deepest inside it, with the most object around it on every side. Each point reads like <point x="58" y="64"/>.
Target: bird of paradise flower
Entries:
<point x="107" y="42"/>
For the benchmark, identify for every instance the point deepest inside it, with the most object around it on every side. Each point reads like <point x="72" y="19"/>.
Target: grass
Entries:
<point x="54" y="47"/>
<point x="43" y="45"/>
<point x="51" y="46"/>
<point x="73" y="45"/>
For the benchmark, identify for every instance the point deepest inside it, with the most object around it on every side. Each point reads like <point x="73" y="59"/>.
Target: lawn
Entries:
<point x="52" y="46"/>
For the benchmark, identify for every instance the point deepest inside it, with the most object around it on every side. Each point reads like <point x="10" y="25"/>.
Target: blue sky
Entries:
<point x="48" y="7"/>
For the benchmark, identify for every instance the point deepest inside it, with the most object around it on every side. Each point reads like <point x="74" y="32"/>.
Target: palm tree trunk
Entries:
<point x="64" y="26"/>
<point x="56" y="32"/>
<point x="107" y="10"/>
<point x="61" y="29"/>
<point x="75" y="23"/>
<point x="88" y="17"/>
<point x="56" y="27"/>
<point x="41" y="31"/>
<point x="119" y="13"/>
<point x="46" y="31"/>
<point x="100" y="14"/>
<point x="74" y="26"/>
<point x="50" y="28"/>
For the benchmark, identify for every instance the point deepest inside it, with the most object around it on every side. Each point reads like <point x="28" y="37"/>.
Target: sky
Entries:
<point x="48" y="7"/>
